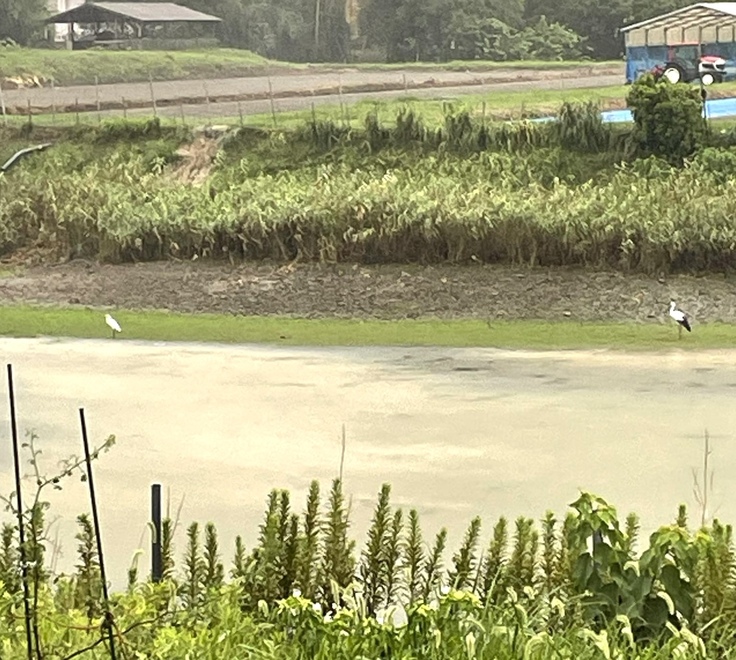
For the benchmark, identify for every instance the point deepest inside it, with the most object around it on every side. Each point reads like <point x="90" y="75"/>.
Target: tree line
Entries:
<point x="402" y="30"/>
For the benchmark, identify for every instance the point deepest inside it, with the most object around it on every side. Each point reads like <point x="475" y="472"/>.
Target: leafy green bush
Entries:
<point x="668" y="118"/>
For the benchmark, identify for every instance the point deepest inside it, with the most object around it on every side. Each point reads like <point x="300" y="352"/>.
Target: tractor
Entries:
<point x="688" y="64"/>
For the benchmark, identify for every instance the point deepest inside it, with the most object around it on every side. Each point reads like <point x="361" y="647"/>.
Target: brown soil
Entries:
<point x="386" y="292"/>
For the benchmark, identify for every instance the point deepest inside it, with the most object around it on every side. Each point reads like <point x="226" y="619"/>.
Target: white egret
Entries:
<point x="113" y="324"/>
<point x="683" y="321"/>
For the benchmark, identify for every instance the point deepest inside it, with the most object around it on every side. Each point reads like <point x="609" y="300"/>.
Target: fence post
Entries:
<point x="125" y="110"/>
<point x="342" y="104"/>
<point x="273" y="105"/>
<point x="153" y="96"/>
<point x="2" y="104"/>
<point x="76" y="109"/>
<point x="97" y="98"/>
<point x="207" y="98"/>
<point x="30" y="114"/>
<point x="157" y="569"/>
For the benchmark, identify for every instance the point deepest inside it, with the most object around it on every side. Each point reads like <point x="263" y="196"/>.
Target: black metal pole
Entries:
<point x="21" y="526"/>
<point x="157" y="568"/>
<point x="95" y="518"/>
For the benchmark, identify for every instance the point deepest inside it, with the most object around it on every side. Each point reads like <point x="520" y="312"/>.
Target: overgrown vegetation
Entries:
<point x="668" y="119"/>
<point x="573" y="191"/>
<point x="577" y="587"/>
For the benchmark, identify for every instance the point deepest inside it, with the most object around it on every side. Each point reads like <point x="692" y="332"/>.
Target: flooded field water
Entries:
<point x="457" y="432"/>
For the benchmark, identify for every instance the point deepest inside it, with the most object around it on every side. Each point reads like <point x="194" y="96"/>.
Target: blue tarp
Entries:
<point x="641" y="59"/>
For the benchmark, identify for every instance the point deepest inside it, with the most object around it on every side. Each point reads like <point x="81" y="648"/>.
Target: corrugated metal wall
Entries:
<point x="669" y="37"/>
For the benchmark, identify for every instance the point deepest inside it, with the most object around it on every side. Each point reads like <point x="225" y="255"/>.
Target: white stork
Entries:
<point x="113" y="324"/>
<point x="683" y="321"/>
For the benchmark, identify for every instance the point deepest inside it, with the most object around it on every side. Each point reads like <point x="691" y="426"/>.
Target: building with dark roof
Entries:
<point x="138" y="25"/>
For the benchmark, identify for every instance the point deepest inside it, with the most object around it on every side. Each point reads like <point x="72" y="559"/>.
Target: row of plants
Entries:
<point x="576" y="587"/>
<point x="495" y="207"/>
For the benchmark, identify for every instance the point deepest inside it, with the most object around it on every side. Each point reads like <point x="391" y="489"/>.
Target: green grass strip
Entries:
<point x="25" y="321"/>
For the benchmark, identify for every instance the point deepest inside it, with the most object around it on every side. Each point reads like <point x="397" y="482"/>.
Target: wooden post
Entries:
<point x="153" y="96"/>
<point x="273" y="105"/>
<point x="207" y="98"/>
<point x="97" y="98"/>
<point x="30" y="114"/>
<point x="342" y="105"/>
<point x="76" y="109"/>
<point x="2" y="105"/>
<point x="53" y="102"/>
<point x="125" y="110"/>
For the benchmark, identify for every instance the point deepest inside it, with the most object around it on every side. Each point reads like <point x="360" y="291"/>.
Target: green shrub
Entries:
<point x="668" y="118"/>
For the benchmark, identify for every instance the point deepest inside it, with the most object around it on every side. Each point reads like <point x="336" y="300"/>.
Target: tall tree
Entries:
<point x="378" y="21"/>
<point x="331" y="31"/>
<point x="21" y="20"/>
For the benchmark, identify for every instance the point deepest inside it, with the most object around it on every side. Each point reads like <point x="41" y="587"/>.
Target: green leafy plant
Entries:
<point x="668" y="118"/>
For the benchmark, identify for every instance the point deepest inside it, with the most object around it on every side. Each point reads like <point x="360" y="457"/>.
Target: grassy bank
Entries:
<point x="27" y="321"/>
<point x="80" y="67"/>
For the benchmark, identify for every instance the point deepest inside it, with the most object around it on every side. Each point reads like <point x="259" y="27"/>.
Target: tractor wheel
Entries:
<point x="707" y="78"/>
<point x="673" y="73"/>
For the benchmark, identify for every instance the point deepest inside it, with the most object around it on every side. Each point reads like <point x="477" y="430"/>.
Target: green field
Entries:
<point x="81" y="67"/>
<point x="29" y="321"/>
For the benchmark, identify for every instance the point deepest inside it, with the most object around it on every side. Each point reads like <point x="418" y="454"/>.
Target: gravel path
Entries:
<point x="384" y="292"/>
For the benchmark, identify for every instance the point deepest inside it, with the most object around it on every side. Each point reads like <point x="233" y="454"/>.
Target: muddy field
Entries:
<point x="384" y="292"/>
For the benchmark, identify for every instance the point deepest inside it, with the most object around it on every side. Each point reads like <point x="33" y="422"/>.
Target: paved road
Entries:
<point x="456" y="432"/>
<point x="311" y="85"/>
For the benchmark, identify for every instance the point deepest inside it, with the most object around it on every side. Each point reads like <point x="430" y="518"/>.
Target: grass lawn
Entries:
<point x="25" y="321"/>
<point x="80" y="67"/>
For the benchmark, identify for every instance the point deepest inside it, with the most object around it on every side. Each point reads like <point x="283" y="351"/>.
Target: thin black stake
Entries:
<point x="108" y="614"/>
<point x="21" y="526"/>
<point x="157" y="568"/>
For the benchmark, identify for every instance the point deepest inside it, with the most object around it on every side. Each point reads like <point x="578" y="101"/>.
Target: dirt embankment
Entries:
<point x="385" y="292"/>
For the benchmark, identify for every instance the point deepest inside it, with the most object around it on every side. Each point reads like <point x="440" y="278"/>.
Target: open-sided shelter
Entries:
<point x="705" y="28"/>
<point x="138" y="25"/>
